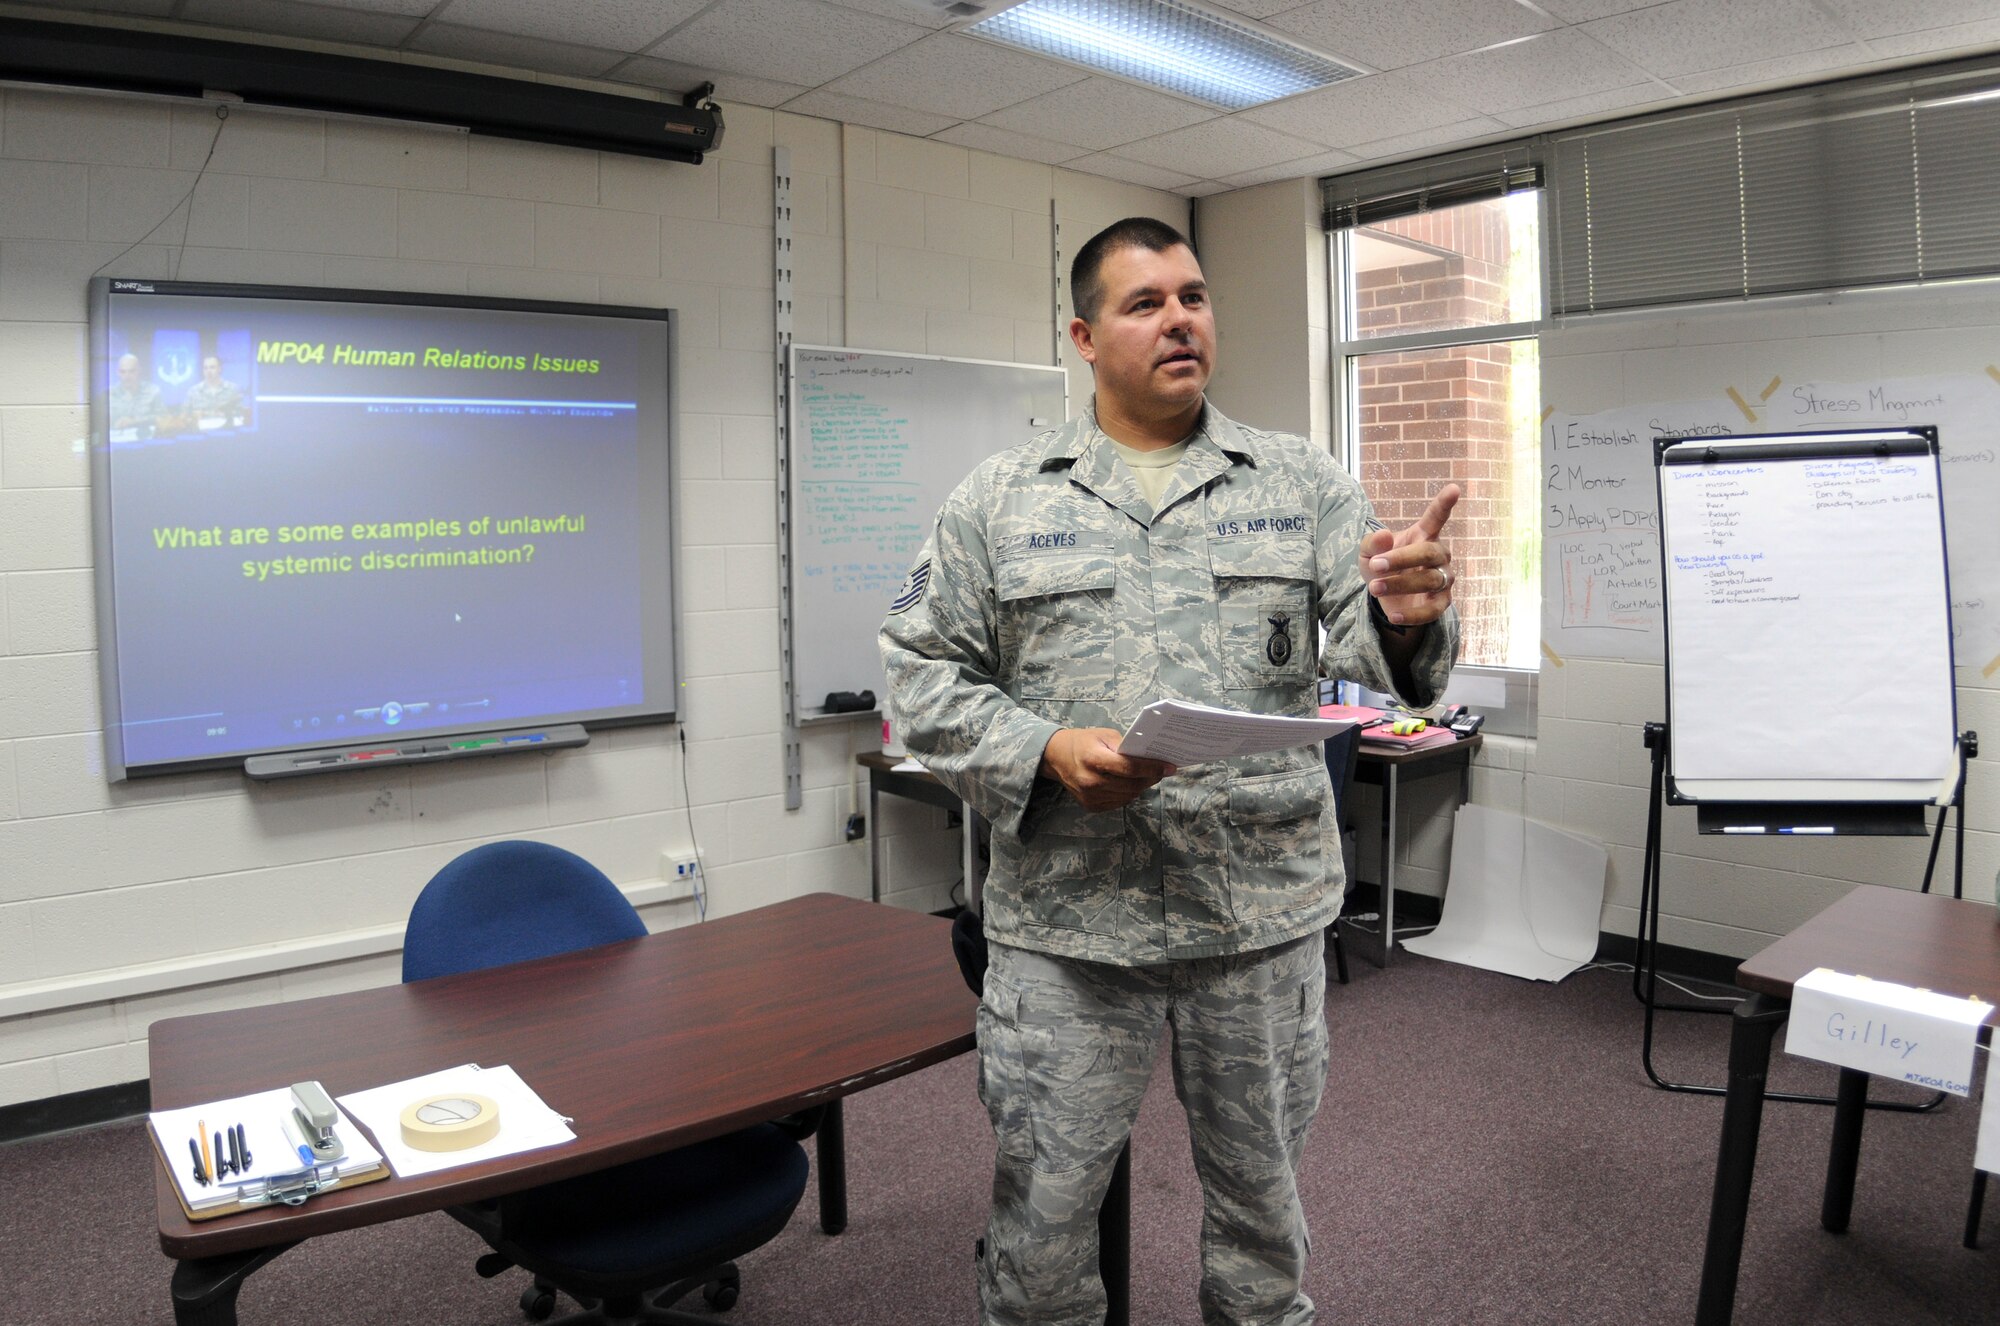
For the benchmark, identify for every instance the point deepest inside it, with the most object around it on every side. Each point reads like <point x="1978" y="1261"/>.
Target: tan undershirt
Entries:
<point x="1151" y="468"/>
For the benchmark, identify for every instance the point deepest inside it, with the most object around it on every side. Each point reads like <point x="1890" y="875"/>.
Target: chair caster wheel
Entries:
<point x="721" y="1295"/>
<point x="537" y="1303"/>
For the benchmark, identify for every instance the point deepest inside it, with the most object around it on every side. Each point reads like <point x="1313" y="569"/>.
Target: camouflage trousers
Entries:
<point x="1065" y="1050"/>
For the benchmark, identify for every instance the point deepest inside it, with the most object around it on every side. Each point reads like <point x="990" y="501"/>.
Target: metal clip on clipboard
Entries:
<point x="289" y="1189"/>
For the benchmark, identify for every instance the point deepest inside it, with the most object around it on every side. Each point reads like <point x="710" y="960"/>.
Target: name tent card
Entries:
<point x="1885" y="1029"/>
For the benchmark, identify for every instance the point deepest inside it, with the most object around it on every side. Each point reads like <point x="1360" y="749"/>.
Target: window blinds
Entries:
<point x="1881" y="180"/>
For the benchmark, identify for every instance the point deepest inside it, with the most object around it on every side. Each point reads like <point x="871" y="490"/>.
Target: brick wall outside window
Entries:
<point x="1428" y="417"/>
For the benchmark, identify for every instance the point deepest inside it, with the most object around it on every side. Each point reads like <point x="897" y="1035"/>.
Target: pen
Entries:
<point x="207" y="1161"/>
<point x="243" y="1145"/>
<point x="297" y="1139"/>
<point x="200" y="1174"/>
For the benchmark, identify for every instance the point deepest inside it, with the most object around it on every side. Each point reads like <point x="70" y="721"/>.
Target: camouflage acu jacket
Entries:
<point x="1050" y="594"/>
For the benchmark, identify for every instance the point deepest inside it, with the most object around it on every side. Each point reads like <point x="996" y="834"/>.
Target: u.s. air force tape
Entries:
<point x="451" y="1122"/>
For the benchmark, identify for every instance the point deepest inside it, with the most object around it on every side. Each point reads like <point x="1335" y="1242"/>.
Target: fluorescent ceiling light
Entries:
<point x="1167" y="44"/>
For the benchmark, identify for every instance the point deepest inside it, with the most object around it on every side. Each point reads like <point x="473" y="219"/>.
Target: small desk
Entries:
<point x="648" y="1044"/>
<point x="1388" y="769"/>
<point x="1889" y="934"/>
<point x="917" y="785"/>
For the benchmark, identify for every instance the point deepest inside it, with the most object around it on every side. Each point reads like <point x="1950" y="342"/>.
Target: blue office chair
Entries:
<point x="1342" y="753"/>
<point x="631" y="1240"/>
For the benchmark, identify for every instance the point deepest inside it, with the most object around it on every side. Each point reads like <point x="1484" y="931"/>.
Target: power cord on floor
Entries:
<point x="1666" y="980"/>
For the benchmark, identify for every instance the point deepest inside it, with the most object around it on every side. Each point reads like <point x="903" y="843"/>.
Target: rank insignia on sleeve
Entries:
<point x="1279" y="647"/>
<point x="914" y="584"/>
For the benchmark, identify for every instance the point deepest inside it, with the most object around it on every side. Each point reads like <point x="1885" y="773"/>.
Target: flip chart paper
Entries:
<point x="1182" y="734"/>
<point x="1833" y="570"/>
<point x="1885" y="1029"/>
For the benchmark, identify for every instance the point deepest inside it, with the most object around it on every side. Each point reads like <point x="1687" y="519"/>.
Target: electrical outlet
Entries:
<point x="682" y="872"/>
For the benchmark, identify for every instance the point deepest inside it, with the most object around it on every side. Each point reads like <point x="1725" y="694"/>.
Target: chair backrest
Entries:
<point x="1341" y="753"/>
<point x="508" y="902"/>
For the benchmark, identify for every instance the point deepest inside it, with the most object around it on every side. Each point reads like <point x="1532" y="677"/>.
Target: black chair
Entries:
<point x="1342" y="753"/>
<point x="629" y="1241"/>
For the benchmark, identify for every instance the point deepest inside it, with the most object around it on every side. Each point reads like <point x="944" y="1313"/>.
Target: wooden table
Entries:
<point x="917" y="785"/>
<point x="1915" y="939"/>
<point x="1388" y="769"/>
<point x="647" y="1045"/>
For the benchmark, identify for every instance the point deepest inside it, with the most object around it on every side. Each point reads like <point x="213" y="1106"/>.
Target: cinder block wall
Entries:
<point x="120" y="905"/>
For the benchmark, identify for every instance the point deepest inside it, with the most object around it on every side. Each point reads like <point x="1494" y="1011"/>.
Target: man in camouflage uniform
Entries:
<point x="135" y="401"/>
<point x="214" y="397"/>
<point x="1152" y="549"/>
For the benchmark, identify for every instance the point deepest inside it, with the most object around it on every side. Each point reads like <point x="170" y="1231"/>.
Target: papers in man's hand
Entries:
<point x="526" y="1124"/>
<point x="1182" y="734"/>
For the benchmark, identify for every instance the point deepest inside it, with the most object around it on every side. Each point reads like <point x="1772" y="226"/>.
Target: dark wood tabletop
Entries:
<point x="646" y="1045"/>
<point x="1920" y="939"/>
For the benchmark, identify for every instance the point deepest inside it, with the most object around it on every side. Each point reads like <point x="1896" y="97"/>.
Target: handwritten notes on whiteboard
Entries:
<point x="1602" y="581"/>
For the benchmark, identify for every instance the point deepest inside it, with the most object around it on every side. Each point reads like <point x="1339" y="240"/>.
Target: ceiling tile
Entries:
<point x="1004" y="143"/>
<point x="962" y="77"/>
<point x="1869" y="19"/>
<point x="1527" y="73"/>
<point x="793" y="41"/>
<point x="1202" y="189"/>
<point x="147" y="8"/>
<point x="1582" y="11"/>
<point x="1290" y="170"/>
<point x="871" y="114"/>
<point x="617" y="25"/>
<point x="410" y="8"/>
<point x="318" y="22"/>
<point x="1593" y="105"/>
<point x="910" y="11"/>
<point x="549" y="57"/>
<point x="1410" y="31"/>
<point x="669" y="76"/>
<point x="1686" y="36"/>
<point x="1362" y="110"/>
<point x="1099" y="113"/>
<point x="1259" y="9"/>
<point x="1131" y="172"/>
<point x="1784" y="69"/>
<point x="1445" y="135"/>
<point x="1960" y="37"/>
<point x="1217" y="148"/>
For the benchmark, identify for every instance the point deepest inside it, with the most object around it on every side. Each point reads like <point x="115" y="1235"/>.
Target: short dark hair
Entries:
<point x="1086" y="290"/>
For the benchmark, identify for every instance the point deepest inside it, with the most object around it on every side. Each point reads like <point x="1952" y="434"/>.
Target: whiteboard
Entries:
<point x="1601" y="576"/>
<point x="875" y="443"/>
<point x="1805" y="576"/>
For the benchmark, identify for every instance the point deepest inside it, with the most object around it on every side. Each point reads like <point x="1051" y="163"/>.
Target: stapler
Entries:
<point x="313" y="1112"/>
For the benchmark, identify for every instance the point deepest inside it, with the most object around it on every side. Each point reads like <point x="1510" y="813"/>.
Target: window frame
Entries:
<point x="1474" y="684"/>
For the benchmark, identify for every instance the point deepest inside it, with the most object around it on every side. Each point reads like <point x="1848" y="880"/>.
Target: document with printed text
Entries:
<point x="1181" y="733"/>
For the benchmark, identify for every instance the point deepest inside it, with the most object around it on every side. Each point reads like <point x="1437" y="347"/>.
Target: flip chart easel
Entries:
<point x="1803" y="572"/>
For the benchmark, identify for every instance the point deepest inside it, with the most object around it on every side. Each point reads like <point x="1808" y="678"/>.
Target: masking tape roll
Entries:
<point x="450" y="1122"/>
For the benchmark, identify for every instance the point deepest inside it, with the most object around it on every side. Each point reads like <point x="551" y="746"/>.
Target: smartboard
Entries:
<point x="876" y="441"/>
<point x="1805" y="577"/>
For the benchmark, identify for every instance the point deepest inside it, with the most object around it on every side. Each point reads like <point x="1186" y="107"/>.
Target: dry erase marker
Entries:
<point x="200" y="1174"/>
<point x="1814" y="828"/>
<point x="243" y="1145"/>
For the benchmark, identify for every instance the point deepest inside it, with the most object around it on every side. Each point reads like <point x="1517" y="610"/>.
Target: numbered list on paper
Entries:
<point x="1798" y="591"/>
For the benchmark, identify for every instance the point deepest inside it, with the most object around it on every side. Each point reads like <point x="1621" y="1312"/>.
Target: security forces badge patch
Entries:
<point x="1279" y="647"/>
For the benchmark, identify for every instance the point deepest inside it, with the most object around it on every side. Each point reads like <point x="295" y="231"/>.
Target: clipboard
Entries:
<point x="281" y="1179"/>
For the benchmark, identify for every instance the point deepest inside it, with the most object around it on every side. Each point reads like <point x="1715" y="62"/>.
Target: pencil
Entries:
<point x="207" y="1163"/>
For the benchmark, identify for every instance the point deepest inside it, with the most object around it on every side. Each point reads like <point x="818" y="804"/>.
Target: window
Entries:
<point x="1440" y="373"/>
